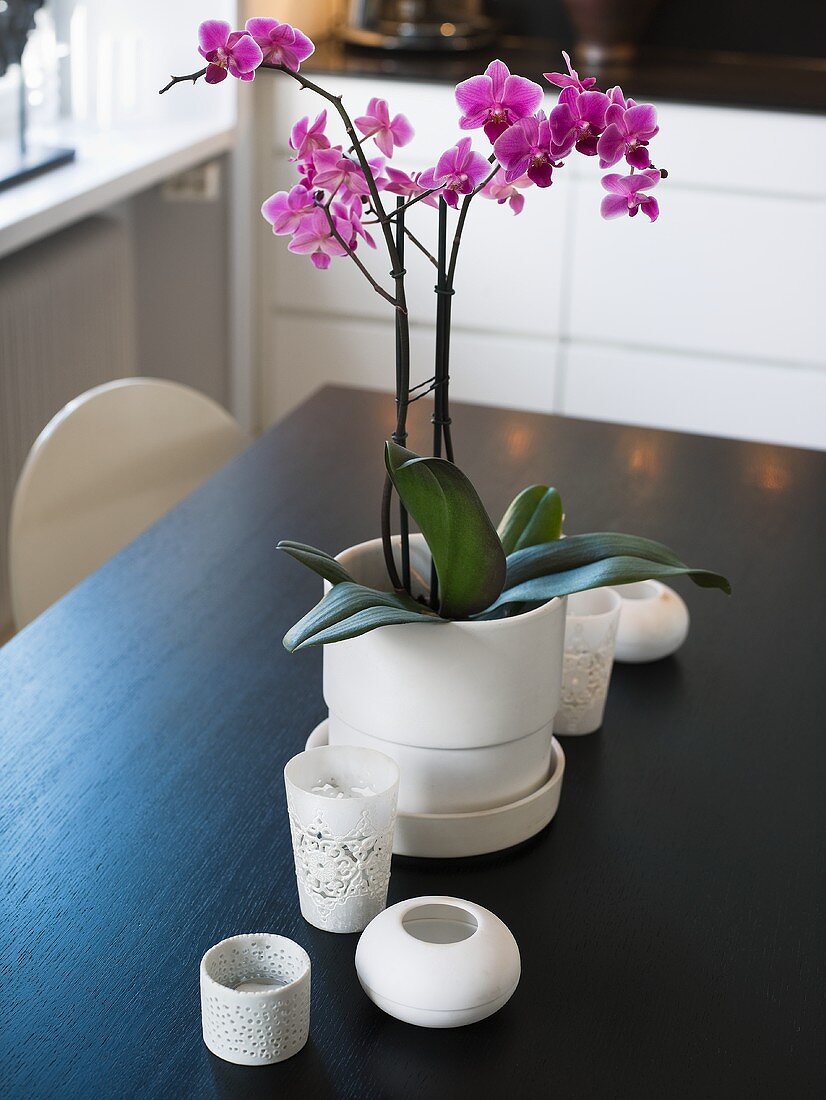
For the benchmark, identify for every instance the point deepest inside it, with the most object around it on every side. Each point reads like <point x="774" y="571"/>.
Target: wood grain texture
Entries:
<point x="670" y="919"/>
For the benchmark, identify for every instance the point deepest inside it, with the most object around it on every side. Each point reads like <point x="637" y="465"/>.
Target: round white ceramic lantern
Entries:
<point x="466" y="709"/>
<point x="438" y="962"/>
<point x="653" y="622"/>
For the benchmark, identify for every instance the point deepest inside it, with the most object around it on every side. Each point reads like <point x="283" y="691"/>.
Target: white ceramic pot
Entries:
<point x="653" y="622"/>
<point x="466" y="709"/>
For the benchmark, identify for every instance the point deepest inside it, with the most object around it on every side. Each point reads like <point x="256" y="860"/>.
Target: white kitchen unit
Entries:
<point x="712" y="320"/>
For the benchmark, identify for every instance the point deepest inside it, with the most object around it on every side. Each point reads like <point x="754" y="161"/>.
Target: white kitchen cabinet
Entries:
<point x="711" y="321"/>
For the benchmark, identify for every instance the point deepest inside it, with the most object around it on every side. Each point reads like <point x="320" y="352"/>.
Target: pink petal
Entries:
<point x="651" y="207"/>
<point x="215" y="74"/>
<point x="403" y="132"/>
<point x="320" y="260"/>
<point x="384" y="141"/>
<point x="475" y="95"/>
<point x="517" y="203"/>
<point x="642" y="120"/>
<point x="613" y="206"/>
<point x="303" y="46"/>
<point x="261" y="28"/>
<point x="475" y="120"/>
<point x="513" y="144"/>
<point x="611" y="146"/>
<point x="498" y="72"/>
<point x="246" y="53"/>
<point x="639" y="157"/>
<point x="592" y="107"/>
<point x="614" y="183"/>
<point x="213" y="34"/>
<point x="521" y="96"/>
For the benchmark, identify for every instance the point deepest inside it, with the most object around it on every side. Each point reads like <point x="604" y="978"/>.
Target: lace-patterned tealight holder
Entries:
<point x="342" y="806"/>
<point x="590" y="634"/>
<point x="255" y="999"/>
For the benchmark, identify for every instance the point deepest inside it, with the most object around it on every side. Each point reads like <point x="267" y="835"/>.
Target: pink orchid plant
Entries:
<point x="341" y="190"/>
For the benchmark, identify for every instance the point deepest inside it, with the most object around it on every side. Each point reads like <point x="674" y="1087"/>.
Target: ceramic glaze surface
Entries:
<point x="480" y="736"/>
<point x="342" y="808"/>
<point x="653" y="622"/>
<point x="255" y="999"/>
<point x="438" y="962"/>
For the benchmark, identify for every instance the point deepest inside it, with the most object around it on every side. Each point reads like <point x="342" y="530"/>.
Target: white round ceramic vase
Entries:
<point x="653" y="622"/>
<point x="438" y="962"/>
<point x="465" y="708"/>
<point x="255" y="999"/>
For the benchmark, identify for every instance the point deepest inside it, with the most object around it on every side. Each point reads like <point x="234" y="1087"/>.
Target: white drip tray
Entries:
<point x="450" y="836"/>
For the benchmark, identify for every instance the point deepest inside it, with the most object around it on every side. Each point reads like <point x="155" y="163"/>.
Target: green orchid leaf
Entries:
<point x="467" y="553"/>
<point x="534" y="516"/>
<point x="609" y="571"/>
<point x="577" y="550"/>
<point x="317" y="560"/>
<point x="349" y="610"/>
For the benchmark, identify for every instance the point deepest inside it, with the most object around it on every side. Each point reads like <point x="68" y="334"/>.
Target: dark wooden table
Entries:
<point x="670" y="919"/>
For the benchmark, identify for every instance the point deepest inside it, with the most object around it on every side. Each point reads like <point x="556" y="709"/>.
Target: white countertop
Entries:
<point x="108" y="168"/>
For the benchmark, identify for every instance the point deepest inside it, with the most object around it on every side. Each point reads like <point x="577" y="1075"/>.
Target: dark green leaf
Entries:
<point x="610" y="571"/>
<point x="535" y="516"/>
<point x="576" y="550"/>
<point x="317" y="560"/>
<point x="467" y="553"/>
<point x="348" y="610"/>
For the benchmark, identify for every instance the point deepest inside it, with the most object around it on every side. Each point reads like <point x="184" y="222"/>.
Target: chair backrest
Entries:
<point x="103" y="470"/>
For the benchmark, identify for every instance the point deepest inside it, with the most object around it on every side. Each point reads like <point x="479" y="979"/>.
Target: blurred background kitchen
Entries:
<point x="144" y="254"/>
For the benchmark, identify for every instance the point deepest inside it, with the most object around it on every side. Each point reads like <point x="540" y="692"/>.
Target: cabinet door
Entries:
<point x="506" y="370"/>
<point x="771" y="402"/>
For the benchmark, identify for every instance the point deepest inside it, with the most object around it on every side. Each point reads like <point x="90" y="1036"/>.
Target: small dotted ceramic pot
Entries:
<point x="255" y="999"/>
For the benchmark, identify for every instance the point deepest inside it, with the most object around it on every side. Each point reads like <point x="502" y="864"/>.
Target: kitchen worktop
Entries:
<point x="719" y="78"/>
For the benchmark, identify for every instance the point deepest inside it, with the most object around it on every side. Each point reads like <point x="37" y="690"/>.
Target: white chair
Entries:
<point x="103" y="470"/>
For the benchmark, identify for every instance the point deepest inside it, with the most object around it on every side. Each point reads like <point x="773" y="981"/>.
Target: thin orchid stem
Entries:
<point x="420" y="246"/>
<point x="376" y="286"/>
<point x="178" y="79"/>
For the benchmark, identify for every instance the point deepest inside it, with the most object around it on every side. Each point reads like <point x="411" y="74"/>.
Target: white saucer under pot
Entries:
<point x="476" y="832"/>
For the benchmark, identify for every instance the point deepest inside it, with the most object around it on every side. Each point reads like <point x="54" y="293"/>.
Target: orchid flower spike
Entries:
<point x="626" y="195"/>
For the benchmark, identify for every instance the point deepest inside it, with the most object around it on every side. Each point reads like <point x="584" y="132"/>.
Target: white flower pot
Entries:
<point x="466" y="709"/>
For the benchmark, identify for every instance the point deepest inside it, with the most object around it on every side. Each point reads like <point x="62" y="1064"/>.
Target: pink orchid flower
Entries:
<point x="314" y="238"/>
<point x="386" y="132"/>
<point x="571" y="80"/>
<point x="226" y="50"/>
<point x="306" y="139"/>
<point x="337" y="174"/>
<point x="626" y="195"/>
<point x="285" y="210"/>
<point x="503" y="192"/>
<point x="627" y="134"/>
<point x="280" y="43"/>
<point x="458" y="172"/>
<point x="496" y="100"/>
<point x="578" y="119"/>
<point x="525" y="149"/>
<point x="349" y="215"/>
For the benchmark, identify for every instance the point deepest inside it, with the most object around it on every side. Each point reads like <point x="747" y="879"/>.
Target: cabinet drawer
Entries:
<point x="774" y="403"/>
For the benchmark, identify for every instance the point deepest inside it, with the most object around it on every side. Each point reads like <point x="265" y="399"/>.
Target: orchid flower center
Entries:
<point x="498" y="113"/>
<point x="221" y="58"/>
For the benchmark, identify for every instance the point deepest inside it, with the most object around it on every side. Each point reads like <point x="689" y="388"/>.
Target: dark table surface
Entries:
<point x="670" y="919"/>
<point x="718" y="78"/>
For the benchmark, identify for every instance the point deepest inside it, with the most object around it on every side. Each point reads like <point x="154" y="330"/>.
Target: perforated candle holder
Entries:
<point x="342" y="806"/>
<point x="255" y="999"/>
<point x="590" y="635"/>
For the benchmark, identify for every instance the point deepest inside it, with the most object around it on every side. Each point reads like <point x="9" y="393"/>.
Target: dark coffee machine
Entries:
<point x="418" y="24"/>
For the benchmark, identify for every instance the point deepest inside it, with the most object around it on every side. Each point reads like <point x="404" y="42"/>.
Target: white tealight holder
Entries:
<point x="590" y="632"/>
<point x="438" y="962"/>
<point x="653" y="622"/>
<point x="342" y="805"/>
<point x="255" y="999"/>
